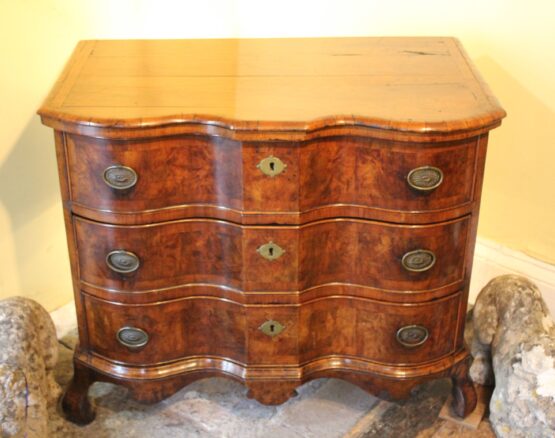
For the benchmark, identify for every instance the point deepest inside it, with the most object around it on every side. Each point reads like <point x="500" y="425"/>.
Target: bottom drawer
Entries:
<point x="389" y="333"/>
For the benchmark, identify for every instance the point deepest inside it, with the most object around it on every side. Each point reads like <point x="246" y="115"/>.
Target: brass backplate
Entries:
<point x="271" y="166"/>
<point x="270" y="251"/>
<point x="419" y="260"/>
<point x="271" y="328"/>
<point x="425" y="178"/>
<point x="412" y="336"/>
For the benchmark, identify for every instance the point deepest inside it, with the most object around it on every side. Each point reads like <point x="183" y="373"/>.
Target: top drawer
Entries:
<point x="150" y="180"/>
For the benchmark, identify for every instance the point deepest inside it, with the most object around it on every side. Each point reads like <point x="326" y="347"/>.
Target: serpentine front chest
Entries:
<point x="270" y="210"/>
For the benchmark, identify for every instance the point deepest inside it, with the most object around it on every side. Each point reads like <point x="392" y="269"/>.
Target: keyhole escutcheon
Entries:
<point x="270" y="251"/>
<point x="271" y="166"/>
<point x="271" y="328"/>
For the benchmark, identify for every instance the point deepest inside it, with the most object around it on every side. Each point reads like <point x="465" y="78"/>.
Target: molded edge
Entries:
<point x="244" y="373"/>
<point x="201" y="124"/>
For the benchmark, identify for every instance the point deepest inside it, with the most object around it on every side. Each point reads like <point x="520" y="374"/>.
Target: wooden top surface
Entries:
<point x="419" y="85"/>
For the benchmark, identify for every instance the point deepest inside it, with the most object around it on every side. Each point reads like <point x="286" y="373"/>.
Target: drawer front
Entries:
<point x="285" y="258"/>
<point x="273" y="334"/>
<point x="166" y="172"/>
<point x="383" y="256"/>
<point x="166" y="331"/>
<point x="387" y="175"/>
<point x="381" y="332"/>
<point x="144" y="181"/>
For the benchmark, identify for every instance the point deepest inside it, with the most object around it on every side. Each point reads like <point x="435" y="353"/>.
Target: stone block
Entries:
<point x="28" y="356"/>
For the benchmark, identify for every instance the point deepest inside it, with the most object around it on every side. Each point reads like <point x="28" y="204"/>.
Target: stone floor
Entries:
<point x="218" y="408"/>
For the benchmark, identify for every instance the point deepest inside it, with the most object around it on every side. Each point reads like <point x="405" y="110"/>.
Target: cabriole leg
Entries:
<point x="75" y="402"/>
<point x="464" y="394"/>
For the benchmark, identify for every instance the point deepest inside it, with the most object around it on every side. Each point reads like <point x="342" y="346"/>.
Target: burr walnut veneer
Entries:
<point x="272" y="211"/>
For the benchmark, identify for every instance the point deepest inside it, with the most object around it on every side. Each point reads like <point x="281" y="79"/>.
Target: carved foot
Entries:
<point x="464" y="394"/>
<point x="272" y="392"/>
<point x="75" y="402"/>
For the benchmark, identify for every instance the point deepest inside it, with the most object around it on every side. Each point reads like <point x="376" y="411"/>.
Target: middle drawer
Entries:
<point x="271" y="258"/>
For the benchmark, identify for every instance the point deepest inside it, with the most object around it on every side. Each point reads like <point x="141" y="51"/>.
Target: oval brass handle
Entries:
<point x="120" y="177"/>
<point x="271" y="166"/>
<point x="419" y="260"/>
<point x="132" y="337"/>
<point x="122" y="262"/>
<point x="270" y="251"/>
<point x="411" y="336"/>
<point x="425" y="178"/>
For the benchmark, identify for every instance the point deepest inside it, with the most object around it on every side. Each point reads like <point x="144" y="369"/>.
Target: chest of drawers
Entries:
<point x="272" y="211"/>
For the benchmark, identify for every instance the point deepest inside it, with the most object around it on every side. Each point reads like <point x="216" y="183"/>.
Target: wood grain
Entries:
<point x="350" y="118"/>
<point x="198" y="251"/>
<point x="203" y="326"/>
<point x="198" y="176"/>
<point x="402" y="84"/>
<point x="395" y="382"/>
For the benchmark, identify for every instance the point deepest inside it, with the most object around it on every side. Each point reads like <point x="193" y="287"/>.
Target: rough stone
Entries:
<point x="28" y="356"/>
<point x="410" y="418"/>
<point x="514" y="346"/>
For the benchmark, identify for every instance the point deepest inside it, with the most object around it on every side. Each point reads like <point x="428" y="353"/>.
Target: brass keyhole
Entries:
<point x="271" y="166"/>
<point x="271" y="328"/>
<point x="270" y="251"/>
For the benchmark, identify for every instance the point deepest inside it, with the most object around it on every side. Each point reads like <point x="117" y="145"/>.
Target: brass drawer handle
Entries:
<point x="419" y="260"/>
<point x="132" y="337"/>
<point x="120" y="177"/>
<point x="411" y="336"/>
<point x="271" y="328"/>
<point x="271" y="166"/>
<point x="425" y="179"/>
<point x="122" y="262"/>
<point x="270" y="251"/>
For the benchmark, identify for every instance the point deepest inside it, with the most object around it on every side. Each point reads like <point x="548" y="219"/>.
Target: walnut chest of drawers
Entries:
<point x="272" y="211"/>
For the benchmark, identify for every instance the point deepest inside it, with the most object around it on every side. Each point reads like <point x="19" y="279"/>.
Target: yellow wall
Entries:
<point x="511" y="42"/>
